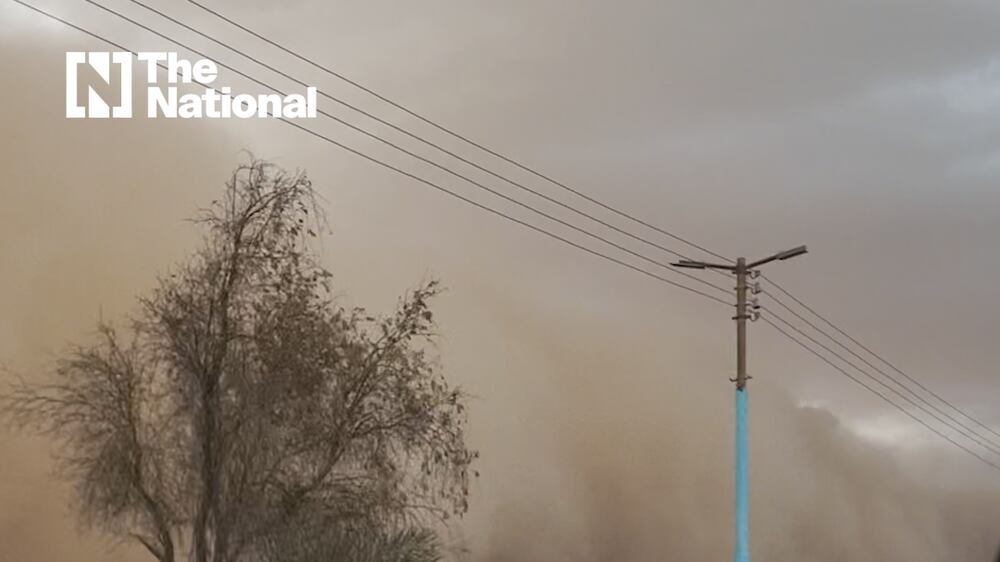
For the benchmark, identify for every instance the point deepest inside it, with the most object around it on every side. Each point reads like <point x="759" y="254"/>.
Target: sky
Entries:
<point x="600" y="399"/>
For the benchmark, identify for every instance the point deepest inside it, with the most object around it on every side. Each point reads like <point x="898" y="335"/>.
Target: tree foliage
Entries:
<point x="246" y="415"/>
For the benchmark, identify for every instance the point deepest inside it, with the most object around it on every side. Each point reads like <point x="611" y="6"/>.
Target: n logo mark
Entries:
<point x="101" y="63"/>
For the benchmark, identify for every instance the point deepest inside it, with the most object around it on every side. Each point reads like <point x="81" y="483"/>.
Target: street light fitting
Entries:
<point x="788" y="254"/>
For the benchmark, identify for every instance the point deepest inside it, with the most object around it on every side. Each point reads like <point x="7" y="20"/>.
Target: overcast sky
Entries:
<point x="866" y="129"/>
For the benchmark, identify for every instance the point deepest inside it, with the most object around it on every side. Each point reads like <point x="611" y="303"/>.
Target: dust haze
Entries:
<point x="602" y="404"/>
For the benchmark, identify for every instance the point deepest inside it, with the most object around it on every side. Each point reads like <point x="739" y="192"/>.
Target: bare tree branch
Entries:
<point x="249" y="416"/>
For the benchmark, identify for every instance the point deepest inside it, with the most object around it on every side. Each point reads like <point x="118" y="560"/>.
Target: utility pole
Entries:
<point x="744" y="311"/>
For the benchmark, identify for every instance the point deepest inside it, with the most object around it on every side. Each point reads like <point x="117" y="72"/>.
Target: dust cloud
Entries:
<point x="637" y="459"/>
<point x="602" y="410"/>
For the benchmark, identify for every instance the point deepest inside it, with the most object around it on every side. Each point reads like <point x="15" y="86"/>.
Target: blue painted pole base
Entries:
<point x="741" y="552"/>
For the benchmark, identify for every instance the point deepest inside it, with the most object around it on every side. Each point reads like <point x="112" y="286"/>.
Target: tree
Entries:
<point x="249" y="416"/>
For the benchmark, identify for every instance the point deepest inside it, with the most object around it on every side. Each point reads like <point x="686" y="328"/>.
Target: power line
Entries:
<point x="403" y="149"/>
<point x="410" y="133"/>
<point x="413" y="176"/>
<point x="987" y="445"/>
<point x="455" y="134"/>
<point x="877" y="356"/>
<point x="500" y="213"/>
<point x="886" y="375"/>
<point x="879" y="394"/>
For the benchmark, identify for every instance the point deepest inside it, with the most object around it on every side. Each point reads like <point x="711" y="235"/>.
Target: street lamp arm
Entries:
<point x="702" y="265"/>
<point x="787" y="254"/>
